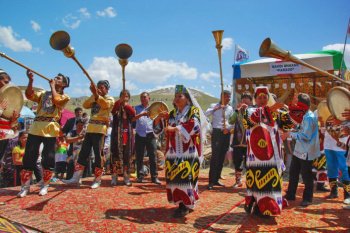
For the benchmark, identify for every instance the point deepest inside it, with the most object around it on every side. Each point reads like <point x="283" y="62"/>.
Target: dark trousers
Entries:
<point x="38" y="172"/>
<point x="31" y="153"/>
<point x="17" y="175"/>
<point x="70" y="169"/>
<point x="238" y="155"/>
<point x="305" y="168"/>
<point x="3" y="145"/>
<point x="94" y="141"/>
<point x="219" y="146"/>
<point x="151" y="145"/>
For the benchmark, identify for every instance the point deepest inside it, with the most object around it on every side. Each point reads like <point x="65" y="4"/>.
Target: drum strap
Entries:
<point x="4" y="124"/>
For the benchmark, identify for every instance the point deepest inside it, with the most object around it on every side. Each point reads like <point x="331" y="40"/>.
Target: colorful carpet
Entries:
<point x="144" y="208"/>
<point x="140" y="208"/>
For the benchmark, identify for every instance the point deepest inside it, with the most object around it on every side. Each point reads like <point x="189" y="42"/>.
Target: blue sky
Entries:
<point x="172" y="40"/>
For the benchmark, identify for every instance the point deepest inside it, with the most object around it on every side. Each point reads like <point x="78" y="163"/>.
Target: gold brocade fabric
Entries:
<point x="50" y="108"/>
<point x="100" y="111"/>
<point x="314" y="85"/>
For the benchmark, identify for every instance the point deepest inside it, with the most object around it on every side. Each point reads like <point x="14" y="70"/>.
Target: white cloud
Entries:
<point x="84" y="13"/>
<point x="149" y="71"/>
<point x="227" y="43"/>
<point x="9" y="40"/>
<point x="35" y="25"/>
<point x="71" y="21"/>
<point x="340" y="47"/>
<point x="81" y="91"/>
<point x="108" y="12"/>
<point x="209" y="77"/>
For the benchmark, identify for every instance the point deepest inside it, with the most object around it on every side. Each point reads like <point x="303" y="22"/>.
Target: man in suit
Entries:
<point x="71" y="122"/>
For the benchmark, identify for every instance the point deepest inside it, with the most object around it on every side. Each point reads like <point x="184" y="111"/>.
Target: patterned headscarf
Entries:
<point x="105" y="83"/>
<point x="180" y="89"/>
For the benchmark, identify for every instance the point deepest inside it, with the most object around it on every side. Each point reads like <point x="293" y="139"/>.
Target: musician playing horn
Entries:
<point x="101" y="105"/>
<point x="264" y="154"/>
<point x="45" y="129"/>
<point x="6" y="126"/>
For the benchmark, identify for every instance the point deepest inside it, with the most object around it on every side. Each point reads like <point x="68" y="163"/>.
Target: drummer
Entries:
<point x="45" y="129"/>
<point x="6" y="126"/>
<point x="145" y="139"/>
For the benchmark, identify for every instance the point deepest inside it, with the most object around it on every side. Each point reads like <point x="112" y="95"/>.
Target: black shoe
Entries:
<point x="210" y="186"/>
<point x="248" y="208"/>
<point x="289" y="197"/>
<point x="305" y="203"/>
<point x="320" y="187"/>
<point x="218" y="183"/>
<point x="155" y="180"/>
<point x="139" y="180"/>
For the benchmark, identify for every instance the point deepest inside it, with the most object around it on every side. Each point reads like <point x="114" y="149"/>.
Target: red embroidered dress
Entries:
<point x="182" y="156"/>
<point x="264" y="157"/>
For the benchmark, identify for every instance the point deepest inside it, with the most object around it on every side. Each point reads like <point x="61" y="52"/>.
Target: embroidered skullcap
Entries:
<point x="180" y="89"/>
<point x="261" y="91"/>
<point x="105" y="83"/>
<point x="2" y="71"/>
<point x="65" y="79"/>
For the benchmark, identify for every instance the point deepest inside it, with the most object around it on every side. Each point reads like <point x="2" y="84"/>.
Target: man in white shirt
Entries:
<point x="220" y="137"/>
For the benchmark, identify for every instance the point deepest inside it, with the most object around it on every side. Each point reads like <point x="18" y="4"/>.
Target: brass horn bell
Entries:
<point x="269" y="49"/>
<point x="123" y="51"/>
<point x="60" y="40"/>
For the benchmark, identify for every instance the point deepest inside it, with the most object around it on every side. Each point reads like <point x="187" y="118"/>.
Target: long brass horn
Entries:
<point x="60" y="40"/>
<point x="123" y="51"/>
<point x="218" y="39"/>
<point x="25" y="67"/>
<point x="268" y="48"/>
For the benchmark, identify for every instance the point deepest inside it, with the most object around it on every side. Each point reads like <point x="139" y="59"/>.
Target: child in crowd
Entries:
<point x="17" y="156"/>
<point x="61" y="157"/>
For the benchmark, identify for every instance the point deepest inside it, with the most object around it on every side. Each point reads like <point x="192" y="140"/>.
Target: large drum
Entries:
<point x="15" y="100"/>
<point x="323" y="111"/>
<point x="156" y="108"/>
<point x="338" y="99"/>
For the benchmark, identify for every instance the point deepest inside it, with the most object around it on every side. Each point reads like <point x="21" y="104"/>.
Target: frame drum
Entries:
<point x="338" y="99"/>
<point x="323" y="111"/>
<point x="155" y="109"/>
<point x="15" y="100"/>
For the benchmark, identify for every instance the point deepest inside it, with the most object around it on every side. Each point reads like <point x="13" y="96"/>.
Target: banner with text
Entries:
<point x="283" y="68"/>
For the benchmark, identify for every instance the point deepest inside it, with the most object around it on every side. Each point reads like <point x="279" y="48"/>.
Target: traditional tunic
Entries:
<point x="48" y="114"/>
<point x="264" y="157"/>
<point x="183" y="152"/>
<point x="97" y="129"/>
<point x="122" y="140"/>
<point x="44" y="129"/>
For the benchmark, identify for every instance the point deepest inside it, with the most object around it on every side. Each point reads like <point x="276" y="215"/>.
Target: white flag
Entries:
<point x="241" y="55"/>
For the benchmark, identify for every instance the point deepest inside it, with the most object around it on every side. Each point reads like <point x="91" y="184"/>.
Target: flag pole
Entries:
<point x="342" y="59"/>
<point x="234" y="81"/>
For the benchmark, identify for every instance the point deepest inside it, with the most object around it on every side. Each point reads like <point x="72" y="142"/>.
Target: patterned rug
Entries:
<point x="140" y="208"/>
<point x="144" y="208"/>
